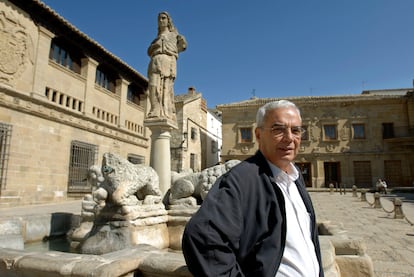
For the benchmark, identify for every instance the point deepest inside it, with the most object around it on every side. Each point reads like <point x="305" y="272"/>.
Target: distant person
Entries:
<point x="258" y="219"/>
<point x="381" y="186"/>
<point x="384" y="186"/>
<point x="163" y="67"/>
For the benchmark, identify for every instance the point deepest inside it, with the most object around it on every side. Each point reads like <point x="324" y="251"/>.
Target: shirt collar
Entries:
<point x="280" y="174"/>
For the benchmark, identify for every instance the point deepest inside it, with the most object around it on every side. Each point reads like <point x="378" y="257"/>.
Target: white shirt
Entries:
<point x="299" y="256"/>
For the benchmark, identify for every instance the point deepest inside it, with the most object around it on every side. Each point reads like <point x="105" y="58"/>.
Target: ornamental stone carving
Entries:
<point x="330" y="148"/>
<point x="344" y="133"/>
<point x="16" y="48"/>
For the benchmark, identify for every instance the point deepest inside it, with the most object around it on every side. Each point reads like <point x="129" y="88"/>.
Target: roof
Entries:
<point x="365" y="95"/>
<point x="187" y="97"/>
<point x="51" y="20"/>
<point x="399" y="91"/>
<point x="215" y="113"/>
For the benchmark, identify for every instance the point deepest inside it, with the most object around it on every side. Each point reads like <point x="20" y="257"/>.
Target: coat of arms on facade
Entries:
<point x="16" y="48"/>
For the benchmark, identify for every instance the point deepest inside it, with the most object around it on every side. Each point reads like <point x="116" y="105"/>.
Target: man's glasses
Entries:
<point x="279" y="130"/>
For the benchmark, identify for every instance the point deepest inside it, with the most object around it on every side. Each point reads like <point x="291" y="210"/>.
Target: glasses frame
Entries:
<point x="279" y="130"/>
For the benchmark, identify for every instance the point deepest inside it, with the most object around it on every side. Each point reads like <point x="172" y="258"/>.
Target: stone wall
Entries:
<point x="47" y="105"/>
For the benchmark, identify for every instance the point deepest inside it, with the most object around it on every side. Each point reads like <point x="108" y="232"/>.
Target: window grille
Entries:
<point x="5" y="135"/>
<point x="82" y="157"/>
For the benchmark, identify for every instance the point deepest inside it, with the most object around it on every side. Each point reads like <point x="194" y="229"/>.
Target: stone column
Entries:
<point x="160" y="150"/>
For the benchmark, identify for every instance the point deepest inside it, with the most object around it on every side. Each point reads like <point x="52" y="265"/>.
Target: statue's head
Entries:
<point x="171" y="27"/>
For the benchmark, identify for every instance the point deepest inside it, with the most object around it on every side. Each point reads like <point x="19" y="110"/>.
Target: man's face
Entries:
<point x="280" y="148"/>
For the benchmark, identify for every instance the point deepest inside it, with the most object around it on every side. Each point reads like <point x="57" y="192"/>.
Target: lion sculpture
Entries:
<point x="191" y="189"/>
<point x="129" y="184"/>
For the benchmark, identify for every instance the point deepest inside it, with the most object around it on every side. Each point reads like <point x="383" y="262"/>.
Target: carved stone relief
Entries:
<point x="344" y="133"/>
<point x="330" y="148"/>
<point x="245" y="149"/>
<point x="16" y="47"/>
<point x="329" y="113"/>
<point x="315" y="133"/>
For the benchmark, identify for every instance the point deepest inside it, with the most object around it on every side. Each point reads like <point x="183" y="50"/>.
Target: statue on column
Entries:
<point x="162" y="68"/>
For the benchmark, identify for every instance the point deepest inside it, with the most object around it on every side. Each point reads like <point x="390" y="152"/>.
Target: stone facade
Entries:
<point x="191" y="143"/>
<point x="62" y="95"/>
<point x="350" y="140"/>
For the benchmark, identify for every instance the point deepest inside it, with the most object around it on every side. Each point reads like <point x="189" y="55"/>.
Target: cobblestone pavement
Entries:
<point x="389" y="241"/>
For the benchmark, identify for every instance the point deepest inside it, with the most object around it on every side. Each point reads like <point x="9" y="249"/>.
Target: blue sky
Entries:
<point x="266" y="48"/>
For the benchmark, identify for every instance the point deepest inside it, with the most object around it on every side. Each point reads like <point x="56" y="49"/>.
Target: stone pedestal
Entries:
<point x="160" y="149"/>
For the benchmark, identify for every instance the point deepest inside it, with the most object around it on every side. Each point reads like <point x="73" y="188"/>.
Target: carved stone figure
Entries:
<point x="191" y="189"/>
<point x="129" y="184"/>
<point x="125" y="198"/>
<point x="162" y="68"/>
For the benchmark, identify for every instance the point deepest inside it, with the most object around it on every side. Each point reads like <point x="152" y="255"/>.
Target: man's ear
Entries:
<point x="257" y="133"/>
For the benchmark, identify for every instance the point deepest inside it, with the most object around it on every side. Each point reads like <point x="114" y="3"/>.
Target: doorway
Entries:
<point x="305" y="169"/>
<point x="332" y="173"/>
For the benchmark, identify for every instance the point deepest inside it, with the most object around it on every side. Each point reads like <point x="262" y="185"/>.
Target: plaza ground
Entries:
<point x="389" y="241"/>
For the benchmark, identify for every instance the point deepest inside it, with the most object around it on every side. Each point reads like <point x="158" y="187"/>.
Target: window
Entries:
<point x="5" y="134"/>
<point x="214" y="146"/>
<point x="63" y="55"/>
<point x="193" y="162"/>
<point x="358" y="131"/>
<point x="136" y="159"/>
<point x="134" y="93"/>
<point x="105" y="79"/>
<point x="82" y="157"/>
<point x="387" y="130"/>
<point x="330" y="132"/>
<point x="193" y="133"/>
<point x="246" y="134"/>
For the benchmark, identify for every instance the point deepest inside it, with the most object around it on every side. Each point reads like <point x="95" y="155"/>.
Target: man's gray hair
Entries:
<point x="261" y="113"/>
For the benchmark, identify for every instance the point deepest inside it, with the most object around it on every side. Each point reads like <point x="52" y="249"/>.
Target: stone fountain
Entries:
<point x="126" y="208"/>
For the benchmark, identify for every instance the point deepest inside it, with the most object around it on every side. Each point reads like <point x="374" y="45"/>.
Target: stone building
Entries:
<point x="350" y="140"/>
<point x="64" y="101"/>
<point x="196" y="143"/>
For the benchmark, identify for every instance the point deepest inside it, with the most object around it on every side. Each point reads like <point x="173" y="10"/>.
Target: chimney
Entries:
<point x="191" y="91"/>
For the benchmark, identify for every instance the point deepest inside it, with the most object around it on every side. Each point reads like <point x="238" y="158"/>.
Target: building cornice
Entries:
<point x="317" y="100"/>
<point x="45" y="16"/>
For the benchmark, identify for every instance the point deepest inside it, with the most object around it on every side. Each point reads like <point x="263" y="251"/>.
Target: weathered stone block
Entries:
<point x="355" y="266"/>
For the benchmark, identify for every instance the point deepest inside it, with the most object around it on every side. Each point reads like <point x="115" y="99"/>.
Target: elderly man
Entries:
<point x="258" y="219"/>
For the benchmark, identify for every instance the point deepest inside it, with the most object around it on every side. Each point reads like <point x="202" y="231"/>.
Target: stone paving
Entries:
<point x="389" y="241"/>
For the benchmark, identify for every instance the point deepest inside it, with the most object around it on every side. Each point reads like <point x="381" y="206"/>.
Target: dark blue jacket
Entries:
<point x="240" y="229"/>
